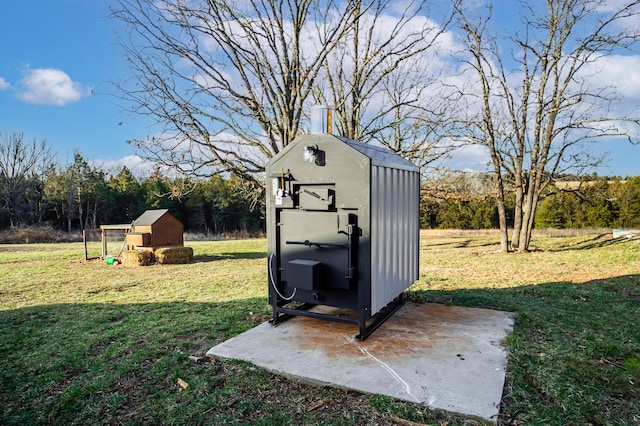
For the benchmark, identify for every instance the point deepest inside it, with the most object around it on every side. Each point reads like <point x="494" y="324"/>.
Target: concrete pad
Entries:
<point x="446" y="357"/>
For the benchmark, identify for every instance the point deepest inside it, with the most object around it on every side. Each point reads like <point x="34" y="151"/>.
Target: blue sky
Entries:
<point x="56" y="61"/>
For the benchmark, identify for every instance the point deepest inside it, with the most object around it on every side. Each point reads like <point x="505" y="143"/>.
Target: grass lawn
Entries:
<point x="82" y="342"/>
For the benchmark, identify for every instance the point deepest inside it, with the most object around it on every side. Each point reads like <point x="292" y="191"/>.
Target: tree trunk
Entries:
<point x="533" y="197"/>
<point x="80" y="214"/>
<point x="517" y="215"/>
<point x="502" y="211"/>
<point x="95" y="216"/>
<point x="502" y="218"/>
<point x="69" y="209"/>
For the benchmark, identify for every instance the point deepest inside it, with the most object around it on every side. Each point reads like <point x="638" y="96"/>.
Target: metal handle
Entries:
<point x="312" y="243"/>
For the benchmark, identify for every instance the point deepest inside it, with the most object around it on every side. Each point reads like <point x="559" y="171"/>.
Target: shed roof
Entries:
<point x="149" y="217"/>
<point x="380" y="156"/>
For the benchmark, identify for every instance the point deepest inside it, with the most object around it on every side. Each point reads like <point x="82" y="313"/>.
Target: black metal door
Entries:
<point x="318" y="249"/>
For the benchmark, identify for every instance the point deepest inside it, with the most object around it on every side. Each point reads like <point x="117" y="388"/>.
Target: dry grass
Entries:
<point x="466" y="260"/>
<point x="83" y="342"/>
<point x="36" y="234"/>
<point x="495" y="233"/>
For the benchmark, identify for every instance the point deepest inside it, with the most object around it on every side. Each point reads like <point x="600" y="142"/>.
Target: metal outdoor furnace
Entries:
<point x="343" y="230"/>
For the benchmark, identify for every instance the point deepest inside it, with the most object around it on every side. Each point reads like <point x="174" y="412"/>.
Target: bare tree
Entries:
<point x="380" y="76"/>
<point x="227" y="80"/>
<point x="536" y="107"/>
<point x="415" y="123"/>
<point x="23" y="168"/>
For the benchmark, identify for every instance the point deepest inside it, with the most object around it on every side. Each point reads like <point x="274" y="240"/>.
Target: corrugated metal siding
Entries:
<point x="395" y="233"/>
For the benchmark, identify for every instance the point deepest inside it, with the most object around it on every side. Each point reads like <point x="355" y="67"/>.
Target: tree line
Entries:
<point x="34" y="191"/>
<point x="464" y="201"/>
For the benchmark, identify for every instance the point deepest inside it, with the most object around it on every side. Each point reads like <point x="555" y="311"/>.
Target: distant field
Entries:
<point x="459" y="259"/>
<point x="82" y="342"/>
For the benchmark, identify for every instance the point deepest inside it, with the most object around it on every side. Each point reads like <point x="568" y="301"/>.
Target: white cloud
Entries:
<point x="138" y="166"/>
<point x="469" y="158"/>
<point x="4" y="84"/>
<point x="617" y="71"/>
<point x="49" y="86"/>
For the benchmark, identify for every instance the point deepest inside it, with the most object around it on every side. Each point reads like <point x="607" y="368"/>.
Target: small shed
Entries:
<point x="156" y="228"/>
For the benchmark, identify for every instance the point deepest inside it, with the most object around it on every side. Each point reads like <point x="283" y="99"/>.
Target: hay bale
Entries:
<point x="136" y="257"/>
<point x="172" y="255"/>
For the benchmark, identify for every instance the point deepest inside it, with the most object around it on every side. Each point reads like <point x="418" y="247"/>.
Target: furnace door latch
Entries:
<point x="319" y="245"/>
